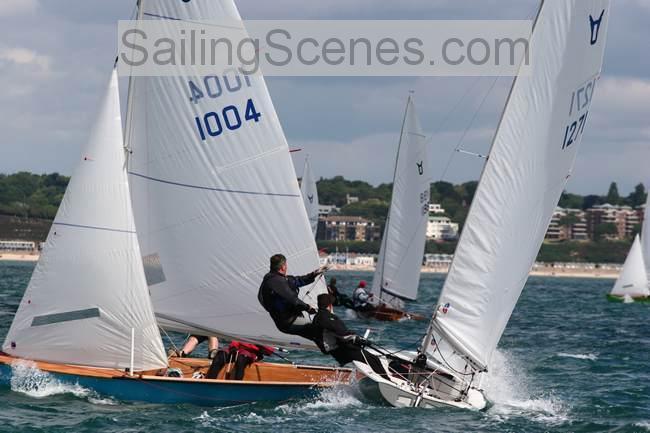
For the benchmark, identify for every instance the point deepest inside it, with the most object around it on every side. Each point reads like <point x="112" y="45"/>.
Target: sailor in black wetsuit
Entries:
<point x="278" y="295"/>
<point x="335" y="339"/>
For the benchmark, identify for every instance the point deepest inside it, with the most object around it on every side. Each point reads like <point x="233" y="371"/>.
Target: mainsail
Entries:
<point x="88" y="290"/>
<point x="531" y="160"/>
<point x="633" y="280"/>
<point x="400" y="258"/>
<point x="309" y="193"/>
<point x="214" y="192"/>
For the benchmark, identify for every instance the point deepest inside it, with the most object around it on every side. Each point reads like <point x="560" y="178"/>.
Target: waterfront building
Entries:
<point x="624" y="218"/>
<point x="347" y="228"/>
<point x="17" y="246"/>
<point x="568" y="224"/>
<point x="441" y="228"/>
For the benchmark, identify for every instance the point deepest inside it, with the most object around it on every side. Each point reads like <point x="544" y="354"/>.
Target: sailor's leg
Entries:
<point x="348" y="353"/>
<point x="213" y="346"/>
<point x="217" y="364"/>
<point x="191" y="343"/>
<point x="240" y="366"/>
<point x="302" y="327"/>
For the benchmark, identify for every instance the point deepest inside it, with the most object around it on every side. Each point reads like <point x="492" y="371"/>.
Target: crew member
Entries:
<point x="340" y="299"/>
<point x="192" y="342"/>
<point x="241" y="355"/>
<point x="278" y="295"/>
<point x="335" y="339"/>
<point x="361" y="298"/>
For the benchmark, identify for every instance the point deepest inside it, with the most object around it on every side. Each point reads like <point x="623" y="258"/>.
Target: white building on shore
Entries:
<point x="441" y="228"/>
<point x="17" y="246"/>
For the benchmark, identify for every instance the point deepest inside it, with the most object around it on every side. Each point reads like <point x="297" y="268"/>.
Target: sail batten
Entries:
<point x="214" y="192"/>
<point x="531" y="160"/>
<point x="402" y="247"/>
<point x="88" y="290"/>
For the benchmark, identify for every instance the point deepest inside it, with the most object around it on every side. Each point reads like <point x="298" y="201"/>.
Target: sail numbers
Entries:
<point x="579" y="110"/>
<point x="425" y="197"/>
<point x="212" y="123"/>
<point x="213" y="86"/>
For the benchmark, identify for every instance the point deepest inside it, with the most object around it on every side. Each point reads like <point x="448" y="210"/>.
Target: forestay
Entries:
<point x="310" y="196"/>
<point x="531" y="160"/>
<point x="88" y="289"/>
<point x="215" y="192"/>
<point x="402" y="248"/>
<point x="633" y="280"/>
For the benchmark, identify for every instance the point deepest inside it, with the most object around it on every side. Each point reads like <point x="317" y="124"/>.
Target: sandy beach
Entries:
<point x="18" y="257"/>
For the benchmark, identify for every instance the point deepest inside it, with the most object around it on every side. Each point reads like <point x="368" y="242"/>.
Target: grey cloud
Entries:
<point x="350" y="124"/>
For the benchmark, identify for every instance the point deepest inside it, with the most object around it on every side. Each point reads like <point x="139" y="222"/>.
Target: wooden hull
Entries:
<point x="643" y="300"/>
<point x="385" y="313"/>
<point x="263" y="382"/>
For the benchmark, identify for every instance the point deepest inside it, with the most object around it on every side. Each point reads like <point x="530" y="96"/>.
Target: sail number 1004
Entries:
<point x="212" y="124"/>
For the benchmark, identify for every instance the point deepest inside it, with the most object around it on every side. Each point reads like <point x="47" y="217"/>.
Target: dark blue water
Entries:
<point x="568" y="361"/>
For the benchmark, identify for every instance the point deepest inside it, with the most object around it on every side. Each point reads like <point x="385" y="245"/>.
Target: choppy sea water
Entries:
<point x="568" y="361"/>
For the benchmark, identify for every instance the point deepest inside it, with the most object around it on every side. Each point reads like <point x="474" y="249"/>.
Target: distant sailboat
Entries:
<point x="397" y="275"/>
<point x="208" y="218"/>
<point x="632" y="283"/>
<point x="309" y="192"/>
<point x="530" y="162"/>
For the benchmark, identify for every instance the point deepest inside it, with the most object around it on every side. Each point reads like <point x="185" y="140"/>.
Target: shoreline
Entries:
<point x="538" y="271"/>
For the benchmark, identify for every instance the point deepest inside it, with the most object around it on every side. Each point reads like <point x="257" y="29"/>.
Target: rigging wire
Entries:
<point x="467" y="129"/>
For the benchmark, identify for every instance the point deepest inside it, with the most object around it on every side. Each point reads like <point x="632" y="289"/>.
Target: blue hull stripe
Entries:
<point x="178" y="392"/>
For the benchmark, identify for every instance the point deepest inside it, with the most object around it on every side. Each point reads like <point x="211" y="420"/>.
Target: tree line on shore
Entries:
<point x="26" y="195"/>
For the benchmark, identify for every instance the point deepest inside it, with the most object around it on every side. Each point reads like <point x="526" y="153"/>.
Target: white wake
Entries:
<point x="508" y="389"/>
<point x="27" y="379"/>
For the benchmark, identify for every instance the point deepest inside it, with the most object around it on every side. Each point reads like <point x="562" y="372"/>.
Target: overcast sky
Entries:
<point x="56" y="55"/>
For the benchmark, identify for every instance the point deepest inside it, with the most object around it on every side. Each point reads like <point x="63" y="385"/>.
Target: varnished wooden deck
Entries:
<point x="259" y="373"/>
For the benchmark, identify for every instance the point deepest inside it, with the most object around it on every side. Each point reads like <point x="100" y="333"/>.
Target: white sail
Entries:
<point x="215" y="193"/>
<point x="632" y="280"/>
<point x="645" y="237"/>
<point x="400" y="259"/>
<point x="88" y="289"/>
<point x="309" y="193"/>
<point x="531" y="160"/>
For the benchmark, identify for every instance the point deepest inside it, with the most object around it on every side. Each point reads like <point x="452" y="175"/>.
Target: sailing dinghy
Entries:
<point x="632" y="284"/>
<point x="209" y="213"/>
<point x="397" y="275"/>
<point x="530" y="162"/>
<point x="309" y="192"/>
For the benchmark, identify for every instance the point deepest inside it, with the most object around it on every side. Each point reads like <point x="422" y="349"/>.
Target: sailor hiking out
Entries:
<point x="335" y="339"/>
<point x="278" y="295"/>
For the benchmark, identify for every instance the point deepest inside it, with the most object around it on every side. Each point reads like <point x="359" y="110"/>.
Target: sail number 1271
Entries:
<point x="212" y="124"/>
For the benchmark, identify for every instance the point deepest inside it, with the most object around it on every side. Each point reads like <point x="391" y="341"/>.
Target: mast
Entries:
<point x="130" y="94"/>
<point x="427" y="340"/>
<point x="386" y="229"/>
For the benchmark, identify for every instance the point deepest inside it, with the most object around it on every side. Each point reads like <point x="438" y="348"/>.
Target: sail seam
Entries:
<point x="108" y="229"/>
<point x="206" y="188"/>
<point x="162" y="16"/>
